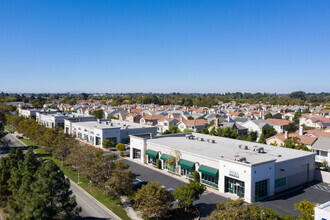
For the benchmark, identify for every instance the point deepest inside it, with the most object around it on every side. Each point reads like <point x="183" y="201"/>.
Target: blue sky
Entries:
<point x="164" y="46"/>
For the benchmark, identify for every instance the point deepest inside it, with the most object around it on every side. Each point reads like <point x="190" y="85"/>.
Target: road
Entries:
<point x="90" y="208"/>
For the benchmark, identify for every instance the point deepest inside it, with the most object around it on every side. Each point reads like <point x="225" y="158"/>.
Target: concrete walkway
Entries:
<point x="134" y="215"/>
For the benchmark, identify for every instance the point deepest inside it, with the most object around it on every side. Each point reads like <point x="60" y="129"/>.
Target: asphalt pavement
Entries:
<point x="91" y="208"/>
<point x="283" y="204"/>
<point x="206" y="204"/>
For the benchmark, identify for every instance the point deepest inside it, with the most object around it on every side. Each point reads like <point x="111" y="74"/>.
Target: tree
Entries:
<point x="241" y="114"/>
<point x="268" y="131"/>
<point x="121" y="180"/>
<point x="296" y="117"/>
<point x="306" y="208"/>
<point x="268" y="115"/>
<point x="291" y="128"/>
<point x="190" y="117"/>
<point x="98" y="114"/>
<point x="107" y="143"/>
<point x="173" y="129"/>
<point x="262" y="139"/>
<point x="153" y="200"/>
<point x="111" y="117"/>
<point x="235" y="209"/>
<point x="187" y="130"/>
<point x="120" y="147"/>
<point x="187" y="194"/>
<point x="51" y="196"/>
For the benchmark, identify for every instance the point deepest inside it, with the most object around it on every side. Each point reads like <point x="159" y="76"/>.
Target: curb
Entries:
<point x="95" y="200"/>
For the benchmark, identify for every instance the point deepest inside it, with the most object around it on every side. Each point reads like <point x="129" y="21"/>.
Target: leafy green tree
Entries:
<point x="51" y="197"/>
<point x="121" y="180"/>
<point x="291" y="128"/>
<point x="173" y="129"/>
<point x="268" y="115"/>
<point x="111" y="117"/>
<point x="187" y="130"/>
<point x="241" y="114"/>
<point x="107" y="143"/>
<point x="268" y="131"/>
<point x="98" y="114"/>
<point x="306" y="208"/>
<point x="153" y="200"/>
<point x="121" y="147"/>
<point x="190" y="117"/>
<point x="187" y="194"/>
<point x="296" y="117"/>
<point x="229" y="133"/>
<point x="262" y="139"/>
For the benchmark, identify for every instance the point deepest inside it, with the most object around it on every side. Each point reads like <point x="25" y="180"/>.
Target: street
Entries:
<point x="90" y="208"/>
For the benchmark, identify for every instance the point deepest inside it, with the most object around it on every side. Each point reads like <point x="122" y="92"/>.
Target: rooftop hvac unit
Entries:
<point x="210" y="140"/>
<point x="259" y="149"/>
<point x="201" y="139"/>
<point x="243" y="147"/>
<point x="240" y="159"/>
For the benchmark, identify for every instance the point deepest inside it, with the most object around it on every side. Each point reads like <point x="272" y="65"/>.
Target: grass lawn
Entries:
<point x="9" y="128"/>
<point x="95" y="191"/>
<point x="28" y="142"/>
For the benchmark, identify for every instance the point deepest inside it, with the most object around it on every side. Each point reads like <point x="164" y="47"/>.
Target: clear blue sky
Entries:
<point x="164" y="46"/>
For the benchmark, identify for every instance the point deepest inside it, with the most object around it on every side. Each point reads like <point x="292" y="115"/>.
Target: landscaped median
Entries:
<point x="95" y="191"/>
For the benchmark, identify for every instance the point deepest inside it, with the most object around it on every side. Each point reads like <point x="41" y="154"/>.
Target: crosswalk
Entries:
<point x="321" y="187"/>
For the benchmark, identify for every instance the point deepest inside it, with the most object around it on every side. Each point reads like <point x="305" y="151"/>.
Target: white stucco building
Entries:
<point x="53" y="119"/>
<point x="96" y="131"/>
<point x="249" y="170"/>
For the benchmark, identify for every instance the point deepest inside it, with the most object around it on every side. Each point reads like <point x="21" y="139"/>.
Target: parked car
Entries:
<point x="139" y="185"/>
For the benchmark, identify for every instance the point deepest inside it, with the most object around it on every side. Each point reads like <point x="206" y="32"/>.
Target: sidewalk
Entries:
<point x="183" y="179"/>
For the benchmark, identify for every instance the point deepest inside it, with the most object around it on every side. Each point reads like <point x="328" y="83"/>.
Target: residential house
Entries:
<point x="195" y="125"/>
<point x="278" y="124"/>
<point x="322" y="149"/>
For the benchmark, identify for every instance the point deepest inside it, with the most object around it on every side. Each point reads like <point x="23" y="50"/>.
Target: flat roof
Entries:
<point x="230" y="149"/>
<point x="108" y="124"/>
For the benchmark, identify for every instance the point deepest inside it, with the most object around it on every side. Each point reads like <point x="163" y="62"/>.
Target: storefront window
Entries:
<point x="169" y="167"/>
<point x="152" y="160"/>
<point x="280" y="182"/>
<point x="136" y="154"/>
<point x="209" y="180"/>
<point x="234" y="186"/>
<point x="187" y="172"/>
<point x="261" y="189"/>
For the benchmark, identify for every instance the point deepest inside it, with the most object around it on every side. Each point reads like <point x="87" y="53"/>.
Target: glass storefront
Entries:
<point x="152" y="160"/>
<point x="261" y="188"/>
<point x="234" y="186"/>
<point x="187" y="172"/>
<point x="210" y="180"/>
<point x="136" y="154"/>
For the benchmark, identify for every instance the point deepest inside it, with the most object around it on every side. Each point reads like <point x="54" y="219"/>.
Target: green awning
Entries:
<point x="166" y="157"/>
<point x="208" y="170"/>
<point x="152" y="153"/>
<point x="187" y="164"/>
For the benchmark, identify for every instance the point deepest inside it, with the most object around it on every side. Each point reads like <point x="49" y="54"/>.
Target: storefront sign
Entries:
<point x="233" y="173"/>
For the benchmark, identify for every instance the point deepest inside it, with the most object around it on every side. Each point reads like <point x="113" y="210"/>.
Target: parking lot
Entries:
<point x="317" y="192"/>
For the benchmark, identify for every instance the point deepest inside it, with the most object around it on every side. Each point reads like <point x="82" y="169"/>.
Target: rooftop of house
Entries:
<point x="322" y="143"/>
<point x="110" y="124"/>
<point x="230" y="149"/>
<point x="281" y="122"/>
<point x="302" y="138"/>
